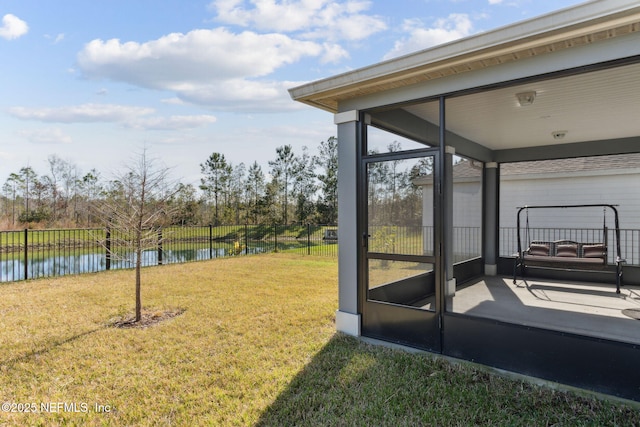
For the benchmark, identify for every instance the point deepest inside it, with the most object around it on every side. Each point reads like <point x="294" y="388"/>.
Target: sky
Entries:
<point x="97" y="82"/>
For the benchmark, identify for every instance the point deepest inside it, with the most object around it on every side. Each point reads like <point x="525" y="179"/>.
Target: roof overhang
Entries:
<point x="585" y="24"/>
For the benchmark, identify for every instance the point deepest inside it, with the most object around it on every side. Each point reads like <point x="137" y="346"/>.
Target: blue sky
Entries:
<point x="94" y="82"/>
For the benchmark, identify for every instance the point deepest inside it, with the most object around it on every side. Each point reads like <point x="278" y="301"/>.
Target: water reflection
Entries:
<point x="13" y="269"/>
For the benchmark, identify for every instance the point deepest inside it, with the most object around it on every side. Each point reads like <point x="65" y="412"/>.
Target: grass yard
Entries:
<point x="255" y="345"/>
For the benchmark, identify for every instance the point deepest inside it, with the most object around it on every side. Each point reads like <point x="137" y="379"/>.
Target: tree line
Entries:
<point x="296" y="188"/>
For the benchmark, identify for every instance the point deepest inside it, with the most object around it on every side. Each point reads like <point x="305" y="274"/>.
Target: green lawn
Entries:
<point x="255" y="345"/>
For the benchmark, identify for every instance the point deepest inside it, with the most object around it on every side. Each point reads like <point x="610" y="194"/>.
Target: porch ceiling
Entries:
<point x="601" y="105"/>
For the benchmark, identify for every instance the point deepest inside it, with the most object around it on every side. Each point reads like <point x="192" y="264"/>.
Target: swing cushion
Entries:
<point x="566" y="254"/>
<point x="596" y="250"/>
<point x="567" y="250"/>
<point x="539" y="249"/>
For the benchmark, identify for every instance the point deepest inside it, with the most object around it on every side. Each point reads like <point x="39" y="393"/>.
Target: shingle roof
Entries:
<point x="471" y="169"/>
<point x="578" y="164"/>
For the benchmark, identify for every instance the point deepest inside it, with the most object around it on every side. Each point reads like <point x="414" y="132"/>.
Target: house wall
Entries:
<point x="620" y="188"/>
<point x="467" y="217"/>
<point x="467" y="203"/>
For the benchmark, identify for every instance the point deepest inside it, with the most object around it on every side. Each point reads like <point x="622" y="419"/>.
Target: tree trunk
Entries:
<point x="138" y="296"/>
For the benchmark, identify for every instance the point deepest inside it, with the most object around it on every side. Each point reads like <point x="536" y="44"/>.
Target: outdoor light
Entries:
<point x="559" y="134"/>
<point x="526" y="98"/>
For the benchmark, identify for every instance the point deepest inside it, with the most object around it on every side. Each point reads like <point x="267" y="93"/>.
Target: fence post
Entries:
<point x="107" y="244"/>
<point x="246" y="239"/>
<point x="210" y="241"/>
<point x="275" y="237"/>
<point x="160" y="246"/>
<point x="308" y="239"/>
<point x="26" y="254"/>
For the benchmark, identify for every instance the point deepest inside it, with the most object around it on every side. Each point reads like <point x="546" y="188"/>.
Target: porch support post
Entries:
<point x="490" y="218"/>
<point x="447" y="221"/>
<point x="349" y="141"/>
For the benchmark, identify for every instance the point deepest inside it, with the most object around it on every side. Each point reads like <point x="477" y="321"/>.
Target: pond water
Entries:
<point x="13" y="269"/>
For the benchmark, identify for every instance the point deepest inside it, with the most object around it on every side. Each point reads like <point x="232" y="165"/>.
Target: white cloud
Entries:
<point x="267" y="14"/>
<point x="211" y="67"/>
<point x="46" y="136"/>
<point x="333" y="53"/>
<point x="13" y="27"/>
<point x="330" y="20"/>
<point x="57" y="39"/>
<point x="130" y="117"/>
<point x="221" y="69"/>
<point x="172" y="122"/>
<point x="444" y="30"/>
<point x="86" y="113"/>
<point x="495" y="1"/>
<point x="199" y="56"/>
<point x="242" y="96"/>
<point x="336" y="23"/>
<point x="172" y="101"/>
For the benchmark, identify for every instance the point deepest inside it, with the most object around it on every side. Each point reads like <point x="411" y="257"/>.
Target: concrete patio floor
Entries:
<point x="592" y="309"/>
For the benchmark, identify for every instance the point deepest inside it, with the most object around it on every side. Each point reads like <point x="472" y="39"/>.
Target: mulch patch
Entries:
<point x="149" y="318"/>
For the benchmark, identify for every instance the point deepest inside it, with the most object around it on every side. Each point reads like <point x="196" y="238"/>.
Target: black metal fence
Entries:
<point x="416" y="240"/>
<point x="29" y="254"/>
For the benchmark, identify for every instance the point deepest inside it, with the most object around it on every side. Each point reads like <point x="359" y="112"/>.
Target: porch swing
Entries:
<point x="568" y="254"/>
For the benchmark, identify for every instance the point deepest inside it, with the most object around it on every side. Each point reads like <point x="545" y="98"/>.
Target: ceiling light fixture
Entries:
<point x="526" y="98"/>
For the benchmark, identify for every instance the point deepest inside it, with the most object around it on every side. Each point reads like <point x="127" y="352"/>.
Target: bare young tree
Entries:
<point x="134" y="210"/>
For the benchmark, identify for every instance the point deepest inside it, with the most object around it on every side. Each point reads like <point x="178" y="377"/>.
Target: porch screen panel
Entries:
<point x="402" y="282"/>
<point x="582" y="180"/>
<point x="467" y="209"/>
<point x="380" y="141"/>
<point x="400" y="207"/>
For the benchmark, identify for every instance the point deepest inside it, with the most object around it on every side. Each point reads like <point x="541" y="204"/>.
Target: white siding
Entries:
<point x="618" y="189"/>
<point x="467" y="204"/>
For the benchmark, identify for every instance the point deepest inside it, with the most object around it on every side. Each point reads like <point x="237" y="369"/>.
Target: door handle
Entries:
<point x="365" y="239"/>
